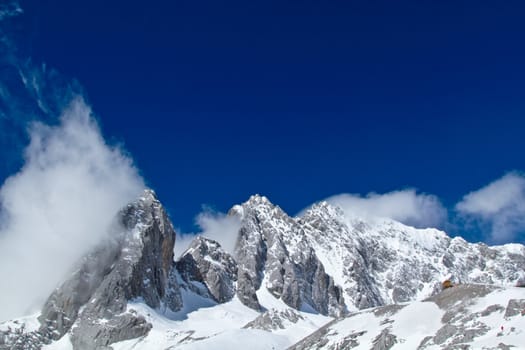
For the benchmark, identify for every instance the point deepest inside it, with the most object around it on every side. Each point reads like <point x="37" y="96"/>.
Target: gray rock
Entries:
<point x="274" y="319"/>
<point x="384" y="341"/>
<point x="370" y="249"/>
<point x="348" y="342"/>
<point x="491" y="309"/>
<point x="61" y="309"/>
<point x="250" y="254"/>
<point x="460" y="294"/>
<point x="425" y="342"/>
<point x="322" y="261"/>
<point x="445" y="333"/>
<point x="101" y="333"/>
<point x="136" y="262"/>
<point x="466" y="335"/>
<point x="514" y="307"/>
<point x="207" y="263"/>
<point x="271" y="243"/>
<point x="388" y="310"/>
<point x="316" y="340"/>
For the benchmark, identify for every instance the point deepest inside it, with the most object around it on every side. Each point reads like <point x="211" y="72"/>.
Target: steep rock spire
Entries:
<point x="135" y="261"/>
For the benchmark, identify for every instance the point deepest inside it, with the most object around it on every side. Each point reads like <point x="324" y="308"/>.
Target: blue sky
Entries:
<point x="299" y="100"/>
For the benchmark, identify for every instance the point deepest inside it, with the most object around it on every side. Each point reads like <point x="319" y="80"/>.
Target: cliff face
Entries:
<point x="293" y="271"/>
<point x="208" y="270"/>
<point x="272" y="252"/>
<point x="134" y="262"/>
<point x="331" y="262"/>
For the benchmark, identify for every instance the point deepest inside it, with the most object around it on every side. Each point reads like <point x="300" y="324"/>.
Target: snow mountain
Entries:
<point x="324" y="279"/>
<point x="467" y="316"/>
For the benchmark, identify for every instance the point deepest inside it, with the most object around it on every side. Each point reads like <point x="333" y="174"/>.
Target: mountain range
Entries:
<point x="325" y="279"/>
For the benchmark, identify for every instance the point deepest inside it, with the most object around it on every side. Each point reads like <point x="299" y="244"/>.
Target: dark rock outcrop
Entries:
<point x="136" y="262"/>
<point x="274" y="319"/>
<point x="384" y="341"/>
<point x="271" y="244"/>
<point x="515" y="307"/>
<point x="206" y="263"/>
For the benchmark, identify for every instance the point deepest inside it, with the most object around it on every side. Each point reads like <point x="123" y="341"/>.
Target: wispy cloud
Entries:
<point x="213" y="225"/>
<point x="406" y="206"/>
<point x="28" y="91"/>
<point x="10" y="9"/>
<point x="59" y="205"/>
<point x="498" y="207"/>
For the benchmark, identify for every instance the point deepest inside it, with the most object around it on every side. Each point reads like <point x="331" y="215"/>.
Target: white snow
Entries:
<point x="513" y="327"/>
<point x="63" y="343"/>
<point x="30" y="323"/>
<point x="363" y="321"/>
<point x="202" y="324"/>
<point x="417" y="320"/>
<point x="414" y="322"/>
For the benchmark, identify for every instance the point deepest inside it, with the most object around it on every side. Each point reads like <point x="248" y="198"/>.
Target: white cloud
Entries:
<point x="58" y="206"/>
<point x="406" y="206"/>
<point x="182" y="243"/>
<point x="214" y="225"/>
<point x="500" y="205"/>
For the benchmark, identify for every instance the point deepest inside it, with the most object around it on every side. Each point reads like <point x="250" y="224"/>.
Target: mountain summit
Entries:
<point x="287" y="277"/>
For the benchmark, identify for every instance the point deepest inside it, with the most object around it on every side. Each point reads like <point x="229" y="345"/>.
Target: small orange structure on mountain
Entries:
<point x="447" y="284"/>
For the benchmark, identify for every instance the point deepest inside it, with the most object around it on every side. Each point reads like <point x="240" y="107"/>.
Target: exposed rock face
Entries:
<point x="250" y="253"/>
<point x="271" y="248"/>
<point x="380" y="261"/>
<point x="325" y="259"/>
<point x="153" y="242"/>
<point x="208" y="264"/>
<point x="460" y="294"/>
<point x="515" y="307"/>
<point x="274" y="319"/>
<point x="385" y="340"/>
<point x="135" y="262"/>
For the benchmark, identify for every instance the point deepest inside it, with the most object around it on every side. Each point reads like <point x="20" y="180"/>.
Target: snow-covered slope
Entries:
<point x="231" y="325"/>
<point x="287" y="278"/>
<point x="462" y="317"/>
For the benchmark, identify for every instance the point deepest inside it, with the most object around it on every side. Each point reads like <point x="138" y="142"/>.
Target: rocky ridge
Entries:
<point x="273" y="251"/>
<point x="331" y="262"/>
<point x="322" y="262"/>
<point x="134" y="262"/>
<point x="208" y="270"/>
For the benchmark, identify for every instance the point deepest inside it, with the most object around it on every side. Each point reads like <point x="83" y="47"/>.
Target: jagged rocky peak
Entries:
<point x="134" y="262"/>
<point x="324" y="209"/>
<point x="372" y="261"/>
<point x="154" y="233"/>
<point x="381" y="261"/>
<point x="323" y="217"/>
<point x="322" y="261"/>
<point x="258" y="199"/>
<point x="208" y="270"/>
<point x="272" y="252"/>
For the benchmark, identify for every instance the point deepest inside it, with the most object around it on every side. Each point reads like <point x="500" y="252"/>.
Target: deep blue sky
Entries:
<point x="296" y="100"/>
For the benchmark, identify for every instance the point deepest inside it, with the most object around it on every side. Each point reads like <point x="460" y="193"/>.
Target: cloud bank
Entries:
<point x="406" y="206"/>
<point x="214" y="225"/>
<point x="498" y="207"/>
<point x="60" y="204"/>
